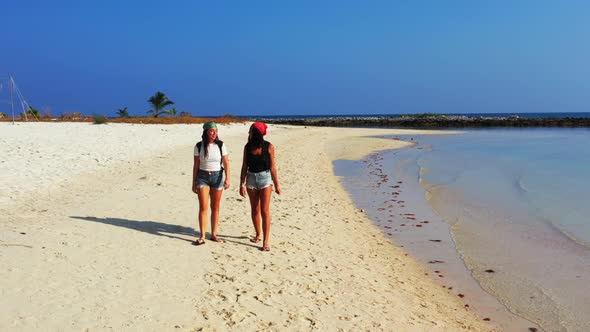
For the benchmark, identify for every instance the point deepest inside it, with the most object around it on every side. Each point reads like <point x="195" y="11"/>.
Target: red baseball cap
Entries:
<point x="261" y="126"/>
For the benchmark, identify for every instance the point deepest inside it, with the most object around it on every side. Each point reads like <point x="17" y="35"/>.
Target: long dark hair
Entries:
<point x="255" y="140"/>
<point x="205" y="142"/>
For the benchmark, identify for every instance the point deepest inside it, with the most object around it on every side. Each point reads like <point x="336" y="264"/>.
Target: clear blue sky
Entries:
<point x="299" y="57"/>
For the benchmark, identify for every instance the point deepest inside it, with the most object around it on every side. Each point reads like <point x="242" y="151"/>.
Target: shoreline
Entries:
<point x="408" y="219"/>
<point x="111" y="248"/>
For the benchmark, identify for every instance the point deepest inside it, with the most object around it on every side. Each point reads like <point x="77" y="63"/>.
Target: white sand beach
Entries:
<point x="96" y="225"/>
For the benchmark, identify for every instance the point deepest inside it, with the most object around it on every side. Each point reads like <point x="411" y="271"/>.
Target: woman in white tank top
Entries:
<point x="210" y="177"/>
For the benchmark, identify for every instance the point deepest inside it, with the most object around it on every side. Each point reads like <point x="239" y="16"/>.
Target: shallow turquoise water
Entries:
<point x="541" y="172"/>
<point x="514" y="200"/>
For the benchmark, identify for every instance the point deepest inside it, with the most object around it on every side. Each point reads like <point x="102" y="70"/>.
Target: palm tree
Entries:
<point x="159" y="100"/>
<point x="123" y="112"/>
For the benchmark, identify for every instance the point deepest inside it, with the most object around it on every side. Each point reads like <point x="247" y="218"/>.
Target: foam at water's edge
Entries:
<point x="514" y="290"/>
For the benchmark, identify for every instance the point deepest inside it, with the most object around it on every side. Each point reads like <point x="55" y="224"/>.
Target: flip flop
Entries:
<point x="264" y="248"/>
<point x="255" y="240"/>
<point x="216" y="239"/>
<point x="198" y="242"/>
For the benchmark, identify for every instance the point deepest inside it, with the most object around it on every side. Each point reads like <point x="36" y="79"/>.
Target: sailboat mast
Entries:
<point x="10" y="89"/>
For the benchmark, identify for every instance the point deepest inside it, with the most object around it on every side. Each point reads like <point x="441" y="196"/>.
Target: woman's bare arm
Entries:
<point x="243" y="175"/>
<point x="273" y="169"/>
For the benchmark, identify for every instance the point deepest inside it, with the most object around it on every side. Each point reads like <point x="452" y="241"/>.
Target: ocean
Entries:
<point x="500" y="217"/>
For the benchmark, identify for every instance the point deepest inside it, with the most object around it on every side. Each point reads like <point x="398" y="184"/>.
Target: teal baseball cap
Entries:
<point x="209" y="125"/>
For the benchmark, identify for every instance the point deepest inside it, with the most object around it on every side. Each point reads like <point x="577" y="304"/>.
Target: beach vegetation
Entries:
<point x="172" y="111"/>
<point x="122" y="113"/>
<point x="99" y="119"/>
<point x="183" y="118"/>
<point x="159" y="101"/>
<point x="33" y="112"/>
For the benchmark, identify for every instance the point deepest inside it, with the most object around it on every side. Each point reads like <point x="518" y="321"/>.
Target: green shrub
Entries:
<point x="99" y="119"/>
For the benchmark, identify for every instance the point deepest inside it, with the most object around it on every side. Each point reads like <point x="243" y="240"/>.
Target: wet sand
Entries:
<point x="386" y="186"/>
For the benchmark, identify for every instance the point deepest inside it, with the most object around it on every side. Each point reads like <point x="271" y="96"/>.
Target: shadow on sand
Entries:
<point x="161" y="229"/>
<point x="146" y="226"/>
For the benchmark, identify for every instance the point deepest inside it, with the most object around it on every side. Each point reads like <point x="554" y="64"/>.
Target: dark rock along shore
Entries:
<point x="435" y="121"/>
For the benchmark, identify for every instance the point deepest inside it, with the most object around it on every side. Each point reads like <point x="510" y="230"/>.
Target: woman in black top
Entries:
<point x="258" y="176"/>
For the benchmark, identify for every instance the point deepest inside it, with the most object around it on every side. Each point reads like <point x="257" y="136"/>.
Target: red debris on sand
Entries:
<point x="490" y="271"/>
<point x="418" y="225"/>
<point x="434" y="240"/>
<point x="487" y="319"/>
<point x="461" y="295"/>
<point x="402" y="224"/>
<point x="466" y="306"/>
<point x="425" y="222"/>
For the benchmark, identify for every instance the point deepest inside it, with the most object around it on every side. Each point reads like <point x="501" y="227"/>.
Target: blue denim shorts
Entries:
<point x="259" y="180"/>
<point x="213" y="179"/>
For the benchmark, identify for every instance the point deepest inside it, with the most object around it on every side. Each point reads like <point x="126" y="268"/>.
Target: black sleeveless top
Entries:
<point x="258" y="163"/>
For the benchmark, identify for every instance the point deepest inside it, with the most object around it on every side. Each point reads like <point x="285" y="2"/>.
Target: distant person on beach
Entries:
<point x="210" y="177"/>
<point x="259" y="174"/>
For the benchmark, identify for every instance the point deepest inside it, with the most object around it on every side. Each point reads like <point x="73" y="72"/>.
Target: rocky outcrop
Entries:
<point x="433" y="121"/>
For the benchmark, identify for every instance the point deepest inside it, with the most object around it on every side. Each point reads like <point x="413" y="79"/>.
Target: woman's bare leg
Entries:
<point x="203" y="193"/>
<point x="254" y="196"/>
<point x="215" y="203"/>
<point x="265" y="214"/>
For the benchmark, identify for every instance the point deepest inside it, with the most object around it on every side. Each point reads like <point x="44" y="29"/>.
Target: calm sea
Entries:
<point x="515" y="206"/>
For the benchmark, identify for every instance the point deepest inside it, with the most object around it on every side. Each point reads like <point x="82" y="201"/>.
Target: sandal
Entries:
<point x="216" y="239"/>
<point x="198" y="242"/>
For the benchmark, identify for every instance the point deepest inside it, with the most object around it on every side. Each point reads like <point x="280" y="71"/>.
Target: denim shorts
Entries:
<point x="259" y="180"/>
<point x="213" y="179"/>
